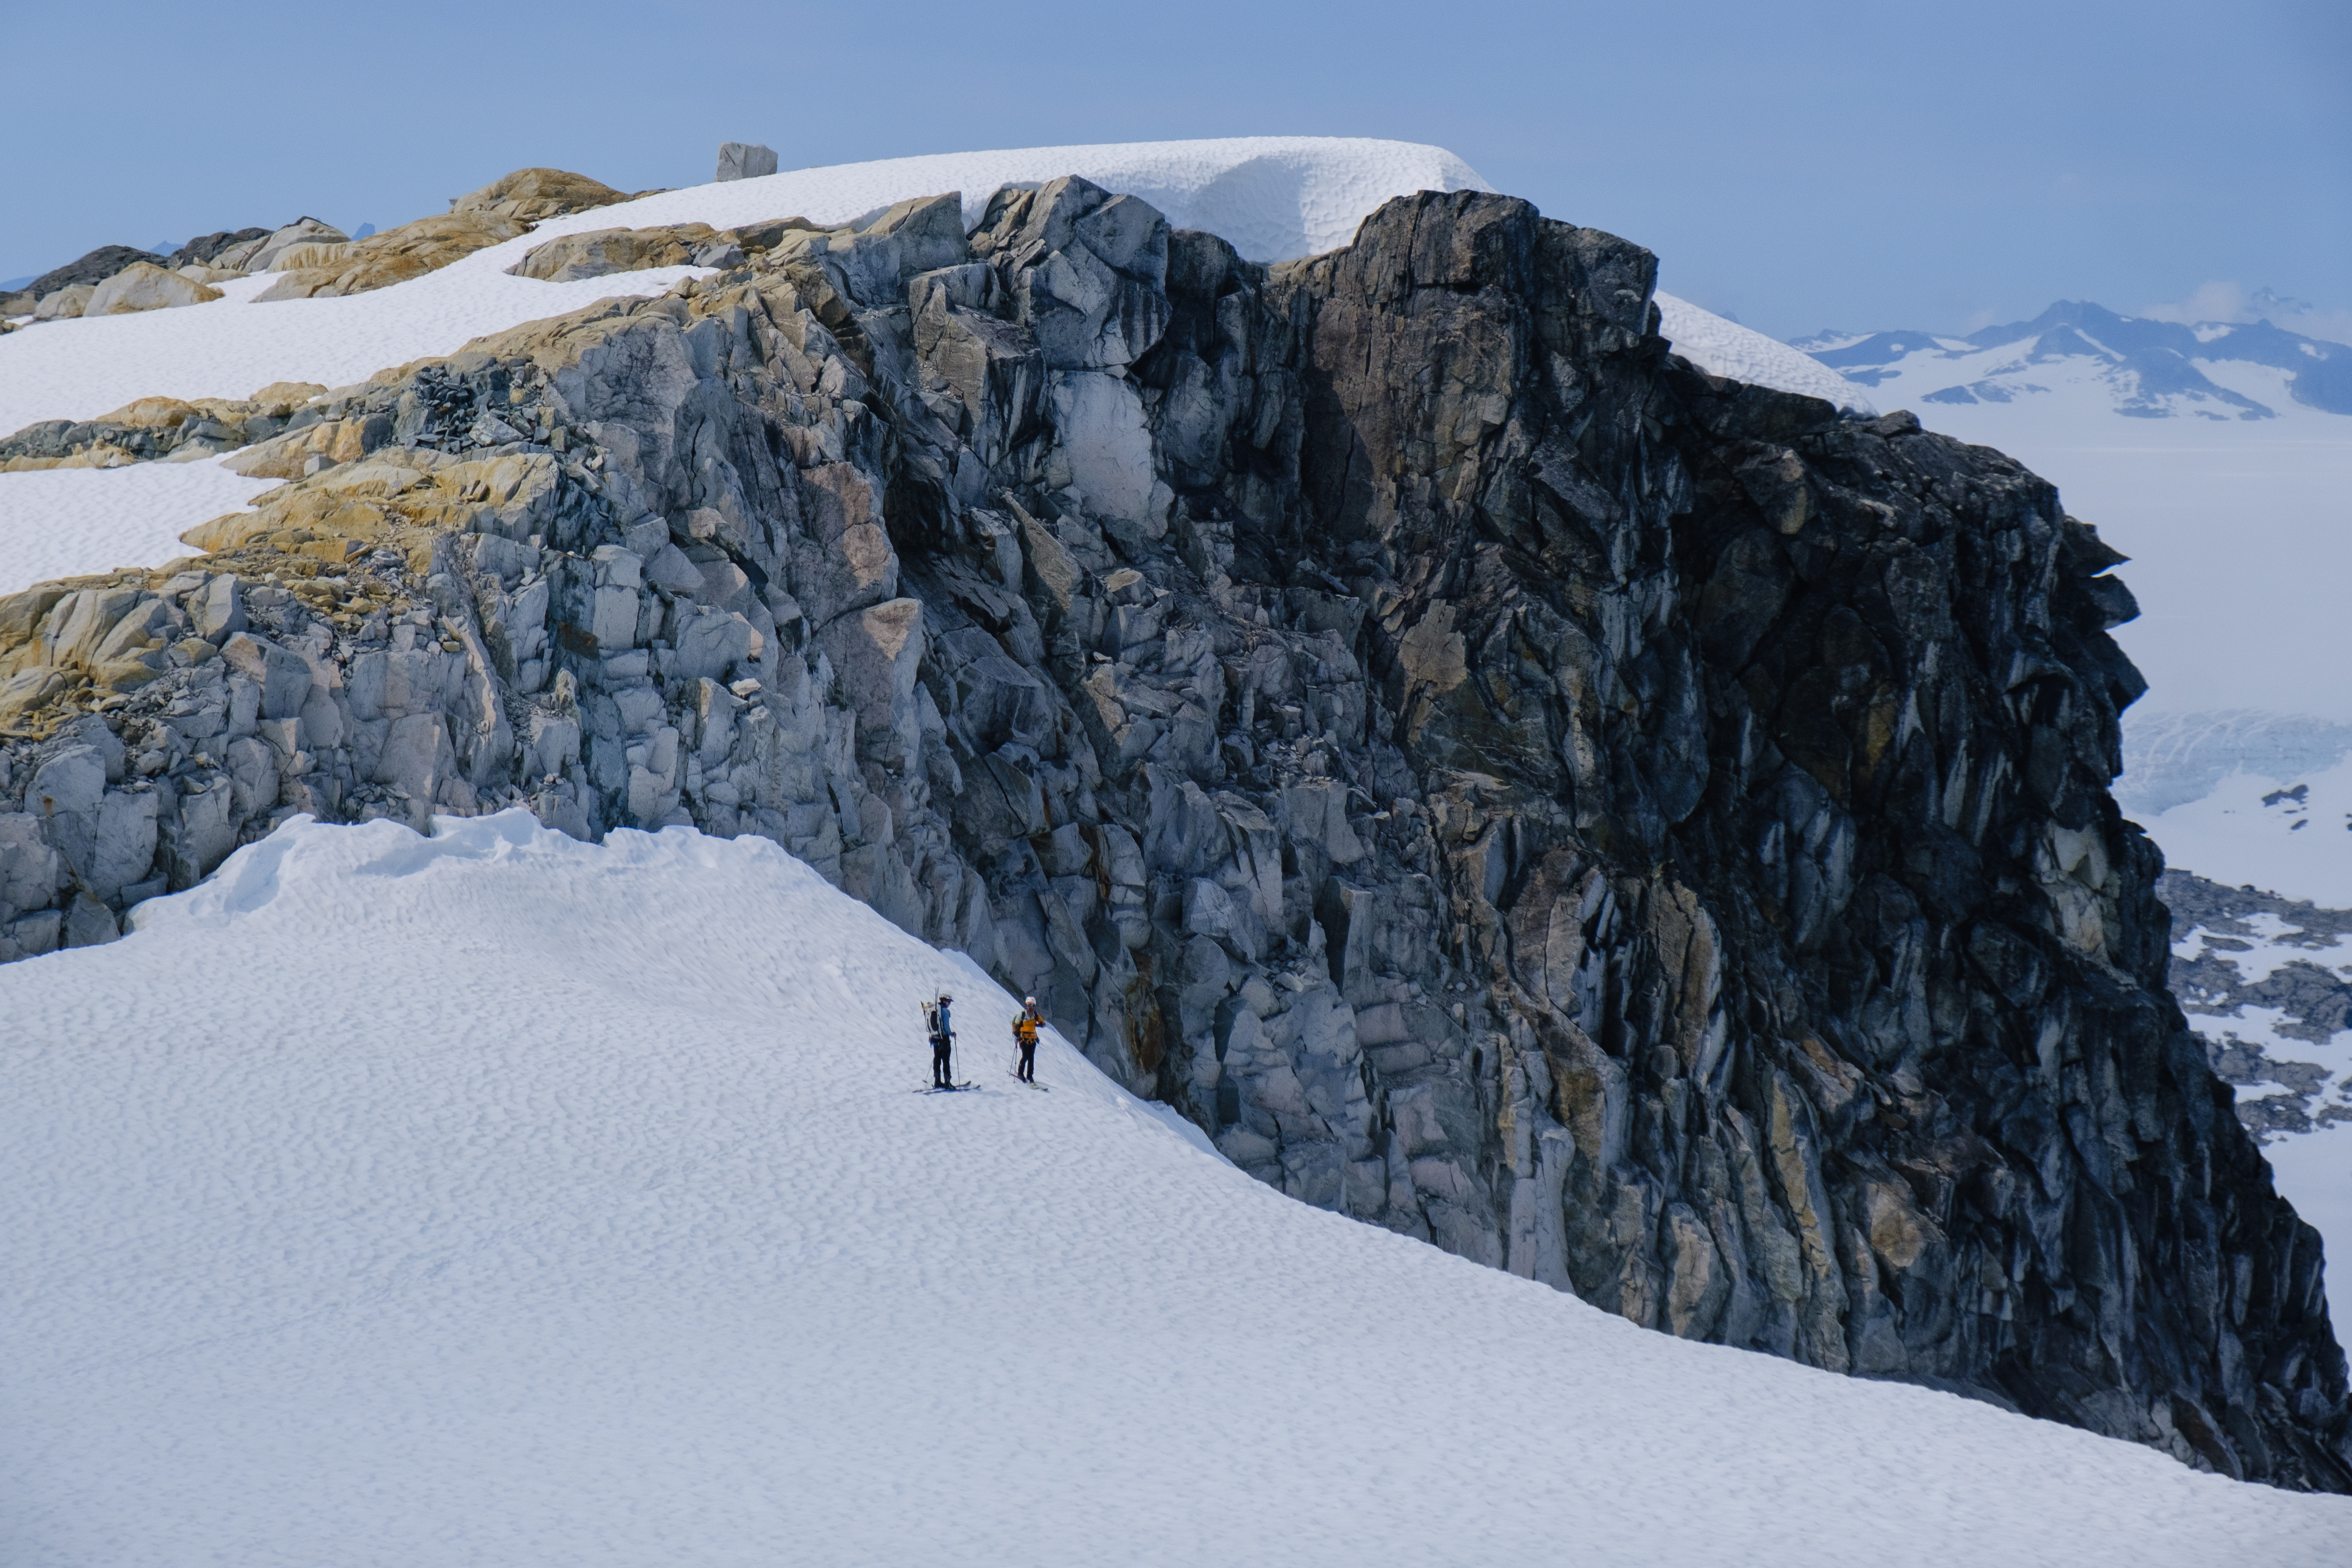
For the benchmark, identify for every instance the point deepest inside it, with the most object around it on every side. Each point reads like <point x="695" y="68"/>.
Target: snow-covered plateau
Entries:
<point x="352" y="1218"/>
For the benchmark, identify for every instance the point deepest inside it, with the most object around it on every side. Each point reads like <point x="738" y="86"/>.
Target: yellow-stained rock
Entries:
<point x="285" y="457"/>
<point x="318" y="253"/>
<point x="605" y="250"/>
<point x="325" y="271"/>
<point x="397" y="497"/>
<point x="532" y="195"/>
<point x="144" y="286"/>
<point x="151" y="411"/>
<point x="280" y="398"/>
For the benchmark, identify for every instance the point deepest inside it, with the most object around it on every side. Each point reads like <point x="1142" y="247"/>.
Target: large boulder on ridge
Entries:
<point x="533" y="195"/>
<point x="144" y="286"/>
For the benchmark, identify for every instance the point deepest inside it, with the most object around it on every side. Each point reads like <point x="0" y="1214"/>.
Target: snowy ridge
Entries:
<point x="1274" y="197"/>
<point x="552" y="1204"/>
<point x="1727" y="349"/>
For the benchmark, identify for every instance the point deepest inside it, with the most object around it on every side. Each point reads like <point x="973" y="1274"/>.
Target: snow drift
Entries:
<point x="499" y="1198"/>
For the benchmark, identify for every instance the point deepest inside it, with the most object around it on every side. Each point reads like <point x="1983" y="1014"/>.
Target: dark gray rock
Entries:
<point x="745" y="161"/>
<point x="205" y="247"/>
<point x="96" y="267"/>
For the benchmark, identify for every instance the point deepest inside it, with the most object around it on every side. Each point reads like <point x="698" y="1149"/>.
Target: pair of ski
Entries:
<point x="960" y="1087"/>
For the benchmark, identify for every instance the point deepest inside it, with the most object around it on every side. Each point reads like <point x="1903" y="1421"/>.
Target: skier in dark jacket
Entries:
<point x="943" y="1044"/>
<point x="1025" y="1034"/>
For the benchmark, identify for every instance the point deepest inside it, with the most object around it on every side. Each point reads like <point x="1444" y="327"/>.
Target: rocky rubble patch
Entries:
<point x="1639" y="831"/>
<point x="163" y="428"/>
<point x="2240" y="949"/>
<point x="315" y="259"/>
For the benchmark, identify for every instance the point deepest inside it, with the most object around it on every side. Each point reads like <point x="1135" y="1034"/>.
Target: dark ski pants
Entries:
<point x="1028" y="1073"/>
<point x="940" y="1060"/>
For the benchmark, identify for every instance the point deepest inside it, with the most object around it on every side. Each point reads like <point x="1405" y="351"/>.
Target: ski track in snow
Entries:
<point x="497" y="1198"/>
<point x="1274" y="197"/>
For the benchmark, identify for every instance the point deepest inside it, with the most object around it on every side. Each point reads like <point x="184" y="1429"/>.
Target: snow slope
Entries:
<point x="499" y="1199"/>
<point x="2289" y="835"/>
<point x="61" y="522"/>
<point x="1726" y="348"/>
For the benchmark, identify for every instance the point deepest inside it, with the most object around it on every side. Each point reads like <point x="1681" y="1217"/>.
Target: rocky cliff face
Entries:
<point x="1639" y="831"/>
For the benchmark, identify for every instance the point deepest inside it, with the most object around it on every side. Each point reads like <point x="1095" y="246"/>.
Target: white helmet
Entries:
<point x="1028" y="1001"/>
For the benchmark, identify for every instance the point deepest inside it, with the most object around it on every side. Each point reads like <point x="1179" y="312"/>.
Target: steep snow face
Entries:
<point x="1727" y="349"/>
<point x="499" y="1198"/>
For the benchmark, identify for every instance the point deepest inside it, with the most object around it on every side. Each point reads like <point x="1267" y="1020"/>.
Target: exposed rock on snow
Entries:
<point x="64" y="304"/>
<point x="142" y="286"/>
<point x="532" y="195"/>
<point x="394" y="256"/>
<point x="227" y="248"/>
<point x="160" y="428"/>
<point x="91" y="269"/>
<point x="501" y="210"/>
<point x="606" y="250"/>
<point x="1640" y="831"/>
<point x="2267" y="981"/>
<point x="302" y="232"/>
<point x="745" y="161"/>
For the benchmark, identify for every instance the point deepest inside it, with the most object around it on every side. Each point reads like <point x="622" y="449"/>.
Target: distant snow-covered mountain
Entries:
<point x="2152" y="369"/>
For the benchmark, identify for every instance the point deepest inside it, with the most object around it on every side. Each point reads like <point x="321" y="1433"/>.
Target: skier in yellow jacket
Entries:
<point x="1025" y="1034"/>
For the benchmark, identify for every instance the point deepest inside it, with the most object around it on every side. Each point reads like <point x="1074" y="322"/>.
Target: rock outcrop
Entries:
<point x="534" y="195"/>
<point x="1640" y="831"/>
<point x="314" y="259"/>
<point x="225" y="249"/>
<point x="302" y="234"/>
<point x="745" y="161"/>
<point x="327" y="271"/>
<point x="90" y="269"/>
<point x="159" y="428"/>
<point x="602" y="251"/>
<point x="2267" y="974"/>
<point x="142" y="286"/>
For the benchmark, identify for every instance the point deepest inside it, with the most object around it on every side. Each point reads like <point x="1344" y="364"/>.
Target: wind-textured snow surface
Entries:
<point x="496" y="1199"/>
<point x="1727" y="349"/>
<point x="60" y="522"/>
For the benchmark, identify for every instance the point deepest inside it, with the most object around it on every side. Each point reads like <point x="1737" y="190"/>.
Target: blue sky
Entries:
<point x="1798" y="165"/>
